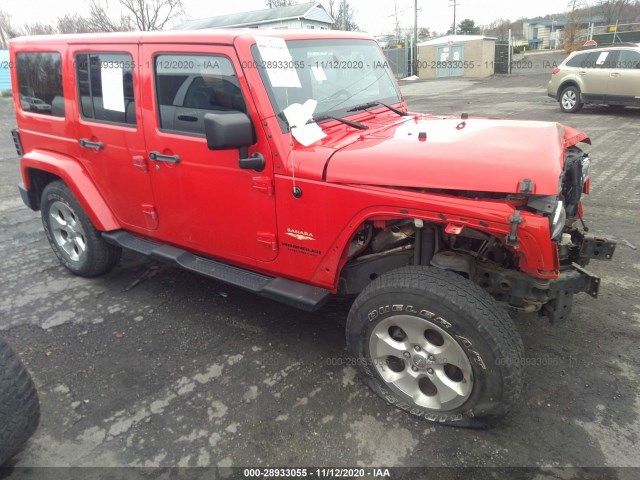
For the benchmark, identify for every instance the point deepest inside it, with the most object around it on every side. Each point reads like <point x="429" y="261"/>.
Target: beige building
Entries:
<point x="471" y="56"/>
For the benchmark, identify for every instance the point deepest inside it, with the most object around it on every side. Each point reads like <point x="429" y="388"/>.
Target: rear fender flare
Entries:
<point x="73" y="173"/>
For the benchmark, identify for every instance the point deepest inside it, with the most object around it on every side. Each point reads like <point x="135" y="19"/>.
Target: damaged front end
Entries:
<point x="568" y="229"/>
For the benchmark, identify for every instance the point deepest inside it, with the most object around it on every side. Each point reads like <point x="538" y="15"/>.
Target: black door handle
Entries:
<point x="158" y="157"/>
<point x="88" y="144"/>
<point x="187" y="118"/>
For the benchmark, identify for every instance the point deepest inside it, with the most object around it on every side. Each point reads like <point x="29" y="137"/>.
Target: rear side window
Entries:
<point x="628" y="59"/>
<point x="600" y="59"/>
<point x="189" y="86"/>
<point x="40" y="83"/>
<point x="105" y="87"/>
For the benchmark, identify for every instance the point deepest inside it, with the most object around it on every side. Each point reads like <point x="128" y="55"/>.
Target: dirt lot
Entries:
<point x="152" y="366"/>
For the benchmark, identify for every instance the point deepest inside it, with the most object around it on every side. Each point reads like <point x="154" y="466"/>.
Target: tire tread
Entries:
<point x="19" y="404"/>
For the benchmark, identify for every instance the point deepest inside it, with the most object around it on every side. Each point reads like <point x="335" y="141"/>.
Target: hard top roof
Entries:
<point x="213" y="36"/>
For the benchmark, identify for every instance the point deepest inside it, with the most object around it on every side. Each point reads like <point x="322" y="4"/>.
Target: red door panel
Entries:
<point x="205" y="202"/>
<point x="109" y="129"/>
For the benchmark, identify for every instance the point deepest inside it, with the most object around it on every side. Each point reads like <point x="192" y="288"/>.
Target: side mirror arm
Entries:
<point x="254" y="162"/>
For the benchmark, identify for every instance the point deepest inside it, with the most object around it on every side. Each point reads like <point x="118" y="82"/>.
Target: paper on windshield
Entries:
<point x="297" y="116"/>
<point x="112" y="87"/>
<point x="278" y="62"/>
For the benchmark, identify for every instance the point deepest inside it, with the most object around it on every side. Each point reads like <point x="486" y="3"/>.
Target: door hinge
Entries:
<point x="150" y="216"/>
<point x="263" y="185"/>
<point x="268" y="240"/>
<point x="140" y="163"/>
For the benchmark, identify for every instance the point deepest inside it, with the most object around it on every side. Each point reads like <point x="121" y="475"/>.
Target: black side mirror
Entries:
<point x="233" y="130"/>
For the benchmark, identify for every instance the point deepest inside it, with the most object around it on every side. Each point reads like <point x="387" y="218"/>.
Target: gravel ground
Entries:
<point x="153" y="366"/>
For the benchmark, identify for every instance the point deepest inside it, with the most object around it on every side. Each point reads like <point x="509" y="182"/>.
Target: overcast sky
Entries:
<point x="373" y="16"/>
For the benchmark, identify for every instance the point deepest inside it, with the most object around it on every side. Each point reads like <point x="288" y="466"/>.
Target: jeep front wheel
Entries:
<point x="73" y="238"/>
<point x="436" y="345"/>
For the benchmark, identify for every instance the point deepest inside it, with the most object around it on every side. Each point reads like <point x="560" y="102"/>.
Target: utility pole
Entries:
<point x="454" y="4"/>
<point x="414" y="50"/>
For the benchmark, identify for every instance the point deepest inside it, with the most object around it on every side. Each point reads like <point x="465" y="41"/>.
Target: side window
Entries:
<point x="628" y="59"/>
<point x="589" y="60"/>
<point x="40" y="83"/>
<point x="105" y="87"/>
<point x="189" y="86"/>
<point x="578" y="61"/>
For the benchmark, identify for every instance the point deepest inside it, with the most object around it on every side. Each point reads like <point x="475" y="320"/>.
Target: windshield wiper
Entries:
<point x="351" y="123"/>
<point x="365" y="106"/>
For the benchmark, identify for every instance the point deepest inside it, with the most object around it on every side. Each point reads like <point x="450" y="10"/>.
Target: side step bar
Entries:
<point x="295" y="294"/>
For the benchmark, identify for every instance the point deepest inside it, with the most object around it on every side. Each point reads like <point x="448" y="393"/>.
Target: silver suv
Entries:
<point x="603" y="74"/>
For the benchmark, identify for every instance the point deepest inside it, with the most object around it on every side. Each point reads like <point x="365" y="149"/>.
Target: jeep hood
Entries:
<point x="482" y="155"/>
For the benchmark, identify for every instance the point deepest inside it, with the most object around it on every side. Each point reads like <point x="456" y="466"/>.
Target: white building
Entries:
<point x="304" y="15"/>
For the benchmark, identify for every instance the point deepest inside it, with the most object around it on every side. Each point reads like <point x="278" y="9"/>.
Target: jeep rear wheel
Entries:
<point x="73" y="238"/>
<point x="19" y="406"/>
<point x="436" y="345"/>
<point x="570" y="100"/>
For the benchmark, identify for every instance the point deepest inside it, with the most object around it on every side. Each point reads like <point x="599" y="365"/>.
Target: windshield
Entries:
<point x="339" y="74"/>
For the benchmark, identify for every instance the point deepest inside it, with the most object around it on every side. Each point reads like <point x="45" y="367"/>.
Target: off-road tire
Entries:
<point x="471" y="317"/>
<point x="19" y="406"/>
<point x="99" y="256"/>
<point x="570" y="99"/>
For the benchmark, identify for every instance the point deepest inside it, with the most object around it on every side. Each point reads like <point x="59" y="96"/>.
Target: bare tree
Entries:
<point x="74" y="23"/>
<point x="344" y="16"/>
<point x="278" y="3"/>
<point x="7" y="30"/>
<point x="37" y="28"/>
<point x="611" y="10"/>
<point x="99" y="20"/>
<point x="153" y="14"/>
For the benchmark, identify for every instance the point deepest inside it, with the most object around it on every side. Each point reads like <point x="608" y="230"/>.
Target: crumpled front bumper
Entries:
<point x="574" y="278"/>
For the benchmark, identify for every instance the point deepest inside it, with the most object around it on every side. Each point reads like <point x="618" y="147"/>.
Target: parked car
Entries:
<point x="288" y="165"/>
<point x="599" y="74"/>
<point x="33" y="104"/>
<point x="19" y="406"/>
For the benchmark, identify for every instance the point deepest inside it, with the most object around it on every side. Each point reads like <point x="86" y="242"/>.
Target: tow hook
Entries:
<point x="514" y="220"/>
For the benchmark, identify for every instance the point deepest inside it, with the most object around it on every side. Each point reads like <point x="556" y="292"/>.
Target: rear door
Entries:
<point x="109" y="130"/>
<point x="594" y="75"/>
<point x="624" y="83"/>
<point x="205" y="201"/>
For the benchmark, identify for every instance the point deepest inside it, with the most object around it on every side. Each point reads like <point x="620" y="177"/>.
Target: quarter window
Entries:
<point x="40" y="83"/>
<point x="105" y="87"/>
<point x="189" y="86"/>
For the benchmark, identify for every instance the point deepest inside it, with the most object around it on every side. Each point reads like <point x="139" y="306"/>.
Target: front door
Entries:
<point x="450" y="61"/>
<point x="109" y="130"/>
<point x="205" y="202"/>
<point x="624" y="79"/>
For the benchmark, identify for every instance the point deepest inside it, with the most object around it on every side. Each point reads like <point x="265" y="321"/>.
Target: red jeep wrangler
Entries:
<point x="285" y="163"/>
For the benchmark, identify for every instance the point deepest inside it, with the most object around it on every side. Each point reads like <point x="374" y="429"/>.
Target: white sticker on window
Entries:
<point x="278" y="62"/>
<point x="112" y="87"/>
<point x="456" y="56"/>
<point x="603" y="56"/>
<point x="318" y="73"/>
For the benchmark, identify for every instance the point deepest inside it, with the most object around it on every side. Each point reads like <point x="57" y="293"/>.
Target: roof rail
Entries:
<point x="600" y="45"/>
